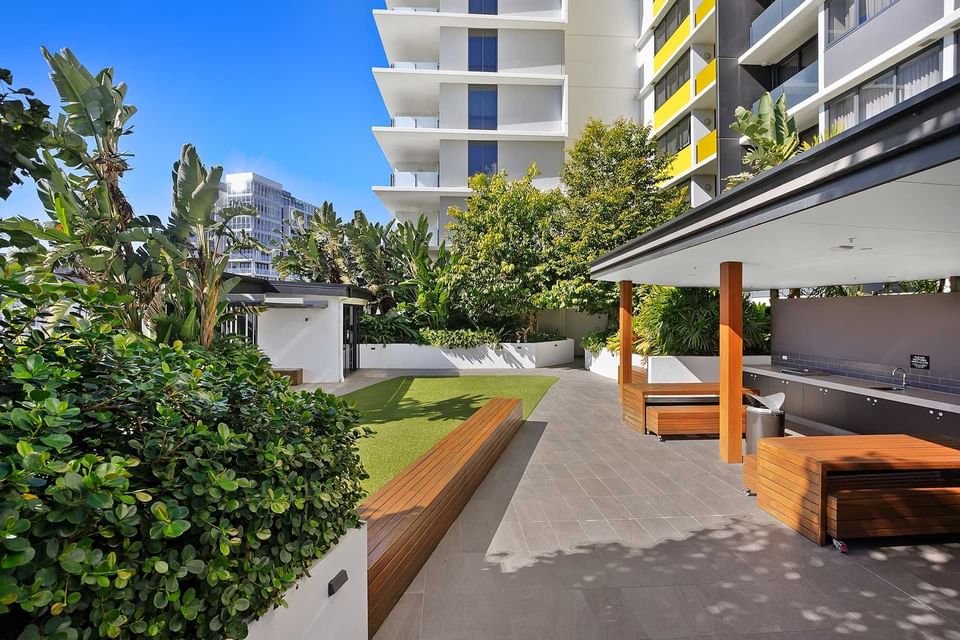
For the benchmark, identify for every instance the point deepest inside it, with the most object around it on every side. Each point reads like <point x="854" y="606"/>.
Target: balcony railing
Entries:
<point x="771" y="17"/>
<point x="798" y="88"/>
<point x="706" y="76"/>
<point x="707" y="146"/>
<point x="417" y="9"/>
<point x="423" y="66"/>
<point x="415" y="179"/>
<point x="673" y="43"/>
<point x="416" y="122"/>
<point x="672" y="106"/>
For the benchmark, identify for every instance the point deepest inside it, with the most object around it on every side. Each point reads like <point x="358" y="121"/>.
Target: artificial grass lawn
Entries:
<point x="410" y="415"/>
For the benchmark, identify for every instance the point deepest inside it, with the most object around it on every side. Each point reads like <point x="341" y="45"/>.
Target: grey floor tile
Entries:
<point x="639" y="507"/>
<point x="611" y="508"/>
<point x="584" y="508"/>
<point x="595" y="487"/>
<point x="403" y="623"/>
<point x="539" y="537"/>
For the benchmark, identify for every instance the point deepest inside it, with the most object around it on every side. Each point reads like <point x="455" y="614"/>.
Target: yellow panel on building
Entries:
<point x="672" y="45"/>
<point x="706" y="76"/>
<point x="672" y="106"/>
<point x="707" y="146"/>
<point x="658" y="5"/>
<point x="705" y="8"/>
<point x="681" y="162"/>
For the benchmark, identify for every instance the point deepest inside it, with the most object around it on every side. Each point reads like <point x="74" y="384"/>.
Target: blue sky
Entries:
<point x="281" y="87"/>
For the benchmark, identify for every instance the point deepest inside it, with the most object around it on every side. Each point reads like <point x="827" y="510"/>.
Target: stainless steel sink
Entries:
<point x="890" y="388"/>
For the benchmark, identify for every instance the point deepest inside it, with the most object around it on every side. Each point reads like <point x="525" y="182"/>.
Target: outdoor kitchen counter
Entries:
<point x="918" y="397"/>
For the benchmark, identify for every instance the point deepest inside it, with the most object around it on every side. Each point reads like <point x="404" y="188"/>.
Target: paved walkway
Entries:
<point x="586" y="529"/>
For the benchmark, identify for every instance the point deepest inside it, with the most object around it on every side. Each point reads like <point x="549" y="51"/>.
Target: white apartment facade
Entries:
<point x="274" y="209"/>
<point x="839" y="62"/>
<point x="487" y="85"/>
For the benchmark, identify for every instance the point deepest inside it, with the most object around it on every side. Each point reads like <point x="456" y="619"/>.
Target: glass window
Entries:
<point x="482" y="50"/>
<point x="844" y="15"/>
<point x="878" y="95"/>
<point x="675" y="139"/>
<point x="886" y="90"/>
<point x="795" y="62"/>
<point x="488" y="7"/>
<point x="481" y="158"/>
<point x="672" y="80"/>
<point x="841" y="17"/>
<point x="918" y="74"/>
<point x="482" y="107"/>
<point x="671" y="21"/>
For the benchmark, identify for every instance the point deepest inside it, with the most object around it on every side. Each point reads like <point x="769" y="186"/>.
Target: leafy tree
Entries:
<point x="772" y="135"/>
<point x="502" y="240"/>
<point x="315" y="250"/>
<point x="611" y="179"/>
<point x="94" y="233"/>
<point x="427" y="296"/>
<point x="23" y="128"/>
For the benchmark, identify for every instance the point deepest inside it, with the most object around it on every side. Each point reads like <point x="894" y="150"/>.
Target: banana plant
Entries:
<point x="429" y="290"/>
<point x="772" y="137"/>
<point x="197" y="243"/>
<point x="315" y="250"/>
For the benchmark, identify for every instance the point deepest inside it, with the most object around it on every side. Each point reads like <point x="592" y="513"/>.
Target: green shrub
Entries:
<point x="157" y="491"/>
<point x="686" y="322"/>
<point x="461" y="338"/>
<point x="389" y="328"/>
<point x="596" y="341"/>
<point x="544" y="335"/>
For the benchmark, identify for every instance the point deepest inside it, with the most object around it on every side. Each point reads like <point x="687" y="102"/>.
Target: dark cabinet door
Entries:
<point x="813" y="402"/>
<point x="758" y="382"/>
<point x="833" y="408"/>
<point x="924" y="421"/>
<point x="867" y="415"/>
<point x="793" y="404"/>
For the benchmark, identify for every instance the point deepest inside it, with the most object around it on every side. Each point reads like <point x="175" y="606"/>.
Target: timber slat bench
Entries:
<point x="294" y="375"/>
<point x="673" y="408"/>
<point x="409" y="516"/>
<point x="861" y="486"/>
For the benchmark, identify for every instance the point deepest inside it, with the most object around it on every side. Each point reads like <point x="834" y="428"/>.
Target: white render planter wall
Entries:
<point x="507" y="356"/>
<point x="606" y="363"/>
<point x="310" y="612"/>
<point x="692" y="368"/>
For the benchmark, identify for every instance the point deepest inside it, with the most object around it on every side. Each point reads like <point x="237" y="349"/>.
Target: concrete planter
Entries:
<point x="692" y="368"/>
<point x="507" y="356"/>
<point x="311" y="612"/>
<point x="606" y="363"/>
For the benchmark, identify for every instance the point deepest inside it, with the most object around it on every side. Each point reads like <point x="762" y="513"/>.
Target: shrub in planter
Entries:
<point x="461" y="338"/>
<point x="389" y="328"/>
<point x="158" y="491"/>
<point x="596" y="341"/>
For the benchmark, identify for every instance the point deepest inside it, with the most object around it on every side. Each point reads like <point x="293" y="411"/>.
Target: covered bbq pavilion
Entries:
<point x="878" y="203"/>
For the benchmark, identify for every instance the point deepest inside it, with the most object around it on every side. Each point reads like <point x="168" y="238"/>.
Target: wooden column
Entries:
<point x="731" y="362"/>
<point x="626" y="333"/>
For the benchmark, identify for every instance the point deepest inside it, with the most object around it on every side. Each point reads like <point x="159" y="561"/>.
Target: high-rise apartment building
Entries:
<point x="481" y="85"/>
<point x="838" y="62"/>
<point x="487" y="85"/>
<point x="274" y="209"/>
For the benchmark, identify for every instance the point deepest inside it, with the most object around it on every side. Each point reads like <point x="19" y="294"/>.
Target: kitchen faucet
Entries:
<point x="903" y="376"/>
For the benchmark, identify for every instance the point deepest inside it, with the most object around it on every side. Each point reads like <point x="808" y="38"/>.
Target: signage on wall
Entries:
<point x="919" y="361"/>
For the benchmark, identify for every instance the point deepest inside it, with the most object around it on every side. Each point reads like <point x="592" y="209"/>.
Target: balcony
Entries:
<point x="672" y="107"/>
<point x="707" y="146"/>
<point x="784" y="26"/>
<point x="416" y="66"/>
<point x="706" y="76"/>
<point x="673" y="44"/>
<point x="415" y="179"/>
<point x="798" y="88"/>
<point x="416" y="122"/>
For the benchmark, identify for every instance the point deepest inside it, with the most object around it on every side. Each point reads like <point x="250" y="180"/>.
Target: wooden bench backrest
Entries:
<point x="408" y="517"/>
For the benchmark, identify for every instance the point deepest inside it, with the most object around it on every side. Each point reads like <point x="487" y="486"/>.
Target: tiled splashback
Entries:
<point x="930" y="380"/>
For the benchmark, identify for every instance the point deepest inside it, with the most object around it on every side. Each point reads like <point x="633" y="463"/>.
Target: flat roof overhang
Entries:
<point x="421" y="147"/>
<point x="414" y="36"/>
<point x="416" y="92"/>
<point x="892" y="184"/>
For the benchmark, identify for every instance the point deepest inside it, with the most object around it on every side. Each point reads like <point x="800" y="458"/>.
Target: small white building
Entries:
<point x="312" y="327"/>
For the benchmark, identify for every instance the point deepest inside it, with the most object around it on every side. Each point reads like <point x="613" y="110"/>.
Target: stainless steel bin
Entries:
<point x="762" y="423"/>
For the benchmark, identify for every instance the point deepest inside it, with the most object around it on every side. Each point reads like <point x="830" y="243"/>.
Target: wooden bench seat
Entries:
<point x="683" y="420"/>
<point x="863" y="513"/>
<point x="294" y="375"/>
<point x="409" y="516"/>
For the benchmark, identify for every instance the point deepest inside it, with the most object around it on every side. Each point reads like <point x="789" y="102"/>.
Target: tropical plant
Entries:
<point x="93" y="231"/>
<point x="772" y="136"/>
<point x="427" y="296"/>
<point x="375" y="263"/>
<point x="686" y="322"/>
<point x="611" y="180"/>
<point x="502" y="239"/>
<point x="389" y="328"/>
<point x="151" y="490"/>
<point x="613" y="341"/>
<point x="314" y="250"/>
<point x="23" y="128"/>
<point x="198" y="242"/>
